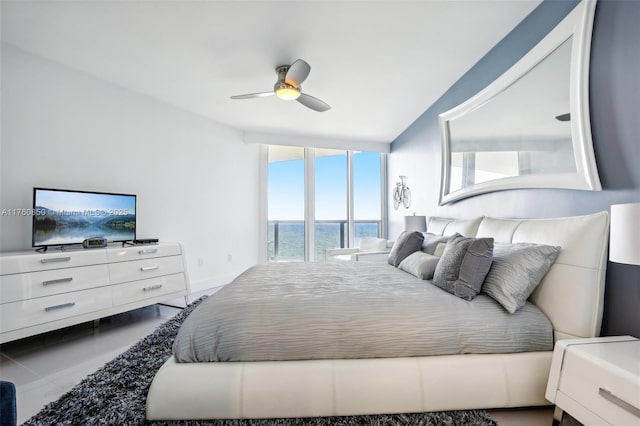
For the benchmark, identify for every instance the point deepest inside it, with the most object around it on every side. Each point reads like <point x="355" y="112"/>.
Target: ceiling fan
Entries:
<point x="288" y="86"/>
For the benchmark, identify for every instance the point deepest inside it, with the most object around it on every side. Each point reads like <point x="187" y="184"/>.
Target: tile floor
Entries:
<point x="46" y="366"/>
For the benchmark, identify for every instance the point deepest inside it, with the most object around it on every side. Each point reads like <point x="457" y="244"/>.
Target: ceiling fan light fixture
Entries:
<point x="287" y="87"/>
<point x="287" y="92"/>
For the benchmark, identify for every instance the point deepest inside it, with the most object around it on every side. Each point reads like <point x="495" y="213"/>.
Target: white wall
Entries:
<point x="196" y="180"/>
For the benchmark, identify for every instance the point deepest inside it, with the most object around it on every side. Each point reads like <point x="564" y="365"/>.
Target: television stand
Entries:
<point x="41" y="291"/>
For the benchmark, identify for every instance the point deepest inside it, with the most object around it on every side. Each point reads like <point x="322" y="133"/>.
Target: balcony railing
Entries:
<point x="286" y="237"/>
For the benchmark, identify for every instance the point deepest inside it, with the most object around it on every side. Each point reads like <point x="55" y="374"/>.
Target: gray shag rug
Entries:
<point x="116" y="394"/>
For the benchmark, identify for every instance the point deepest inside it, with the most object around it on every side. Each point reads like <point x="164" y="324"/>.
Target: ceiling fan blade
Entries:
<point x="253" y="95"/>
<point x="313" y="103"/>
<point x="297" y="73"/>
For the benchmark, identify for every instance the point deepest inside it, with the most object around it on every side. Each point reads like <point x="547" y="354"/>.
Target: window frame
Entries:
<point x="309" y="200"/>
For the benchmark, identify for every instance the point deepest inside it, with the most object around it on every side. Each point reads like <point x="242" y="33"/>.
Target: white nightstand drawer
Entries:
<point x="46" y="283"/>
<point x="26" y="313"/>
<point x="602" y="382"/>
<point x="32" y="261"/>
<point x="146" y="289"/>
<point x="597" y="380"/>
<point x="143" y="252"/>
<point x="141" y="269"/>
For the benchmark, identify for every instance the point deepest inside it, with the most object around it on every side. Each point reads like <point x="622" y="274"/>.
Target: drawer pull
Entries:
<point x="149" y="268"/>
<point x="64" y="305"/>
<point x="606" y="394"/>
<point x="58" y="281"/>
<point x="152" y="287"/>
<point x="56" y="259"/>
<point x="147" y="251"/>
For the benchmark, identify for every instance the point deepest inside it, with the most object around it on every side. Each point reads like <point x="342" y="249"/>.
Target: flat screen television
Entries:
<point x="62" y="217"/>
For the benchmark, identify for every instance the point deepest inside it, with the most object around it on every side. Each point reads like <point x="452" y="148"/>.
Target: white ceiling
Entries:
<point x="379" y="64"/>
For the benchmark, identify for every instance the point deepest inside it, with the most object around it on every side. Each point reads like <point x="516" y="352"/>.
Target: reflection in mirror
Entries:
<point x="529" y="128"/>
<point x="508" y="137"/>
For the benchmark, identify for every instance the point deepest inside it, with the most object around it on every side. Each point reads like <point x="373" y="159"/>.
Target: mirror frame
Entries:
<point x="579" y="25"/>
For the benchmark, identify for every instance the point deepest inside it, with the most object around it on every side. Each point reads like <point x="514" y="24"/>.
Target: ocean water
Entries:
<point x="291" y="238"/>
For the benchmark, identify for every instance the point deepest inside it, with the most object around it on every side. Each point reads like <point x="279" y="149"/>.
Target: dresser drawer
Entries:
<point x="32" y="261"/>
<point x="146" y="289"/>
<point x="606" y="384"/>
<point x="126" y="254"/>
<point x="141" y="269"/>
<point x="27" y="313"/>
<point x="46" y="283"/>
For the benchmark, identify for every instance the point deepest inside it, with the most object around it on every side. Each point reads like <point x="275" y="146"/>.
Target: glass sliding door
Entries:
<point x="319" y="199"/>
<point x="286" y="215"/>
<point x="330" y="225"/>
<point x="367" y="195"/>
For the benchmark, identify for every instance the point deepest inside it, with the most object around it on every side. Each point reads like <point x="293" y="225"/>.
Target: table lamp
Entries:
<point x="415" y="223"/>
<point x="624" y="244"/>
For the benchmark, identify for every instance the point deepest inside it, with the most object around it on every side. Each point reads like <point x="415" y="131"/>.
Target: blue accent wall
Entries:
<point x="615" y="121"/>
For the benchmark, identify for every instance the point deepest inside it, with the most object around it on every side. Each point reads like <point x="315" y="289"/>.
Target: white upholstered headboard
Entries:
<point x="572" y="293"/>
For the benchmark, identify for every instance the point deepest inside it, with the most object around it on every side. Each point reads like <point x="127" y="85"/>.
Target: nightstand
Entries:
<point x="597" y="380"/>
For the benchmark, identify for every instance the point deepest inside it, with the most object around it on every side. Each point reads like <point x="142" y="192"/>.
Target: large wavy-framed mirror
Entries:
<point x="530" y="128"/>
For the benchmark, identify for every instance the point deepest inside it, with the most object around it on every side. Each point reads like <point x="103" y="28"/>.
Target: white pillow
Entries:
<point x="431" y="242"/>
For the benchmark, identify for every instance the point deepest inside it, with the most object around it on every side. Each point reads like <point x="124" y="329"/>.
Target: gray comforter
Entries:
<point x="298" y="311"/>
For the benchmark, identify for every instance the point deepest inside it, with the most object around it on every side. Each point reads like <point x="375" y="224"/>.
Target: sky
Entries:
<point x="286" y="188"/>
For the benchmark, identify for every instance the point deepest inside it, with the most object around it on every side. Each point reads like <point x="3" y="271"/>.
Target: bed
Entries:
<point x="570" y="299"/>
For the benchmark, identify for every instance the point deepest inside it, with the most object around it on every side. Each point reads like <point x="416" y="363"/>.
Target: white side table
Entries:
<point x="597" y="380"/>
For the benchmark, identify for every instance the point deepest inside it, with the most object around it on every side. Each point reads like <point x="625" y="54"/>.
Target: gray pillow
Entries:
<point x="420" y="264"/>
<point x="431" y="241"/>
<point x="464" y="265"/>
<point x="407" y="243"/>
<point x="516" y="271"/>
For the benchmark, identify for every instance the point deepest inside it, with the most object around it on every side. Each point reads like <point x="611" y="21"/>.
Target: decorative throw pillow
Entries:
<point x="516" y="271"/>
<point x="440" y="249"/>
<point x="431" y="241"/>
<point x="464" y="265"/>
<point x="420" y="264"/>
<point x="407" y="243"/>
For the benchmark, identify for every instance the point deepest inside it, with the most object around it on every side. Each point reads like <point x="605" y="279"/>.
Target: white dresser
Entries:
<point x="40" y="292"/>
<point x="597" y="380"/>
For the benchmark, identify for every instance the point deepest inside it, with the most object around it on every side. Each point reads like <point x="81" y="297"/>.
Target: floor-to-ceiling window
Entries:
<point x="331" y="186"/>
<point x="321" y="198"/>
<point x="367" y="200"/>
<point x="286" y="211"/>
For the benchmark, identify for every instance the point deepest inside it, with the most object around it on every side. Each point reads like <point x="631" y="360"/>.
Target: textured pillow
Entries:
<point x="420" y="264"/>
<point x="431" y="241"/>
<point x="439" y="249"/>
<point x="516" y="271"/>
<point x="407" y="243"/>
<point x="464" y="265"/>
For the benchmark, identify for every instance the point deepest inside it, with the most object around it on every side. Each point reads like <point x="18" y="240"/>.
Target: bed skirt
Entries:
<point x="272" y="389"/>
